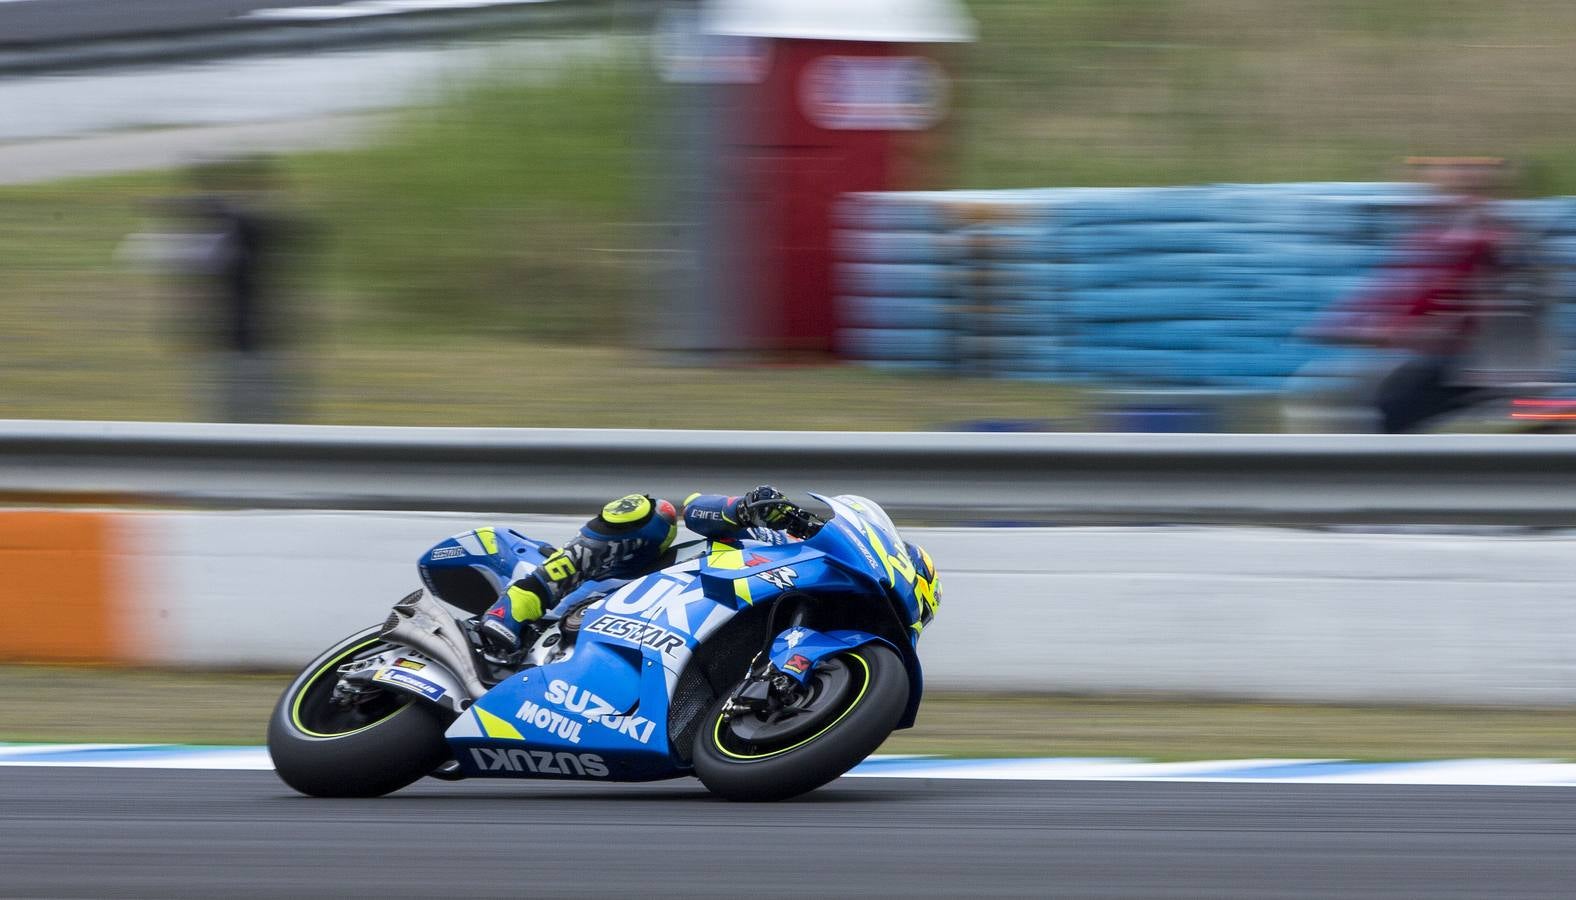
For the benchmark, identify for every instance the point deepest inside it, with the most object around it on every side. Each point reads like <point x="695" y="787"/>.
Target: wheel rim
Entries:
<point x="844" y="687"/>
<point x="314" y="716"/>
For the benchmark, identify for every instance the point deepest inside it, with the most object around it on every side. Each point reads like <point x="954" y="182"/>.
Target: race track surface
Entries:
<point x="160" y="833"/>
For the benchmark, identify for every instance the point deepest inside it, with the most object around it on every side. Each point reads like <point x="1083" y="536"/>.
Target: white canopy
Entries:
<point x="886" y="21"/>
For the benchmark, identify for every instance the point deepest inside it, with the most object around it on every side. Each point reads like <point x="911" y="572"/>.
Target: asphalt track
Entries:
<point x="158" y="833"/>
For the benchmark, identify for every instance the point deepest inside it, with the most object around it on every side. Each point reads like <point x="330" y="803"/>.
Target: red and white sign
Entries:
<point x="873" y="93"/>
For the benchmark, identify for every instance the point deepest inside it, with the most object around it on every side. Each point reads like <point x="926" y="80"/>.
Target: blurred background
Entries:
<point x="1167" y="215"/>
<point x="905" y="215"/>
<point x="902" y="216"/>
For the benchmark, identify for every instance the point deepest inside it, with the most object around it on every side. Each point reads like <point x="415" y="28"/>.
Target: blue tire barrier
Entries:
<point x="1148" y="304"/>
<point x="1023" y="278"/>
<point x="916" y="211"/>
<point x="1020" y="348"/>
<point x="896" y="280"/>
<point x="1010" y="317"/>
<point x="1194" y="286"/>
<point x="898" y="246"/>
<point x="912" y="344"/>
<point x="1003" y="242"/>
<point x="897" y="312"/>
<point x="1113" y="206"/>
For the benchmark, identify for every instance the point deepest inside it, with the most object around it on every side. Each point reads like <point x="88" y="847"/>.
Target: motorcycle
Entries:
<point x="765" y="669"/>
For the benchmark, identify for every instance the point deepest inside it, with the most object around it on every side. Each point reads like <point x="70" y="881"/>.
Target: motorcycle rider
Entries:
<point x="626" y="539"/>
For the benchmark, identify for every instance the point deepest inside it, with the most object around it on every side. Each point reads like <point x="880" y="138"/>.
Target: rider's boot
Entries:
<point x="501" y="628"/>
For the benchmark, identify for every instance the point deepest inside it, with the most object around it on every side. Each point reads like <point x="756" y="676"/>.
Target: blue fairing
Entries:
<point x="603" y="711"/>
<point x="471" y="569"/>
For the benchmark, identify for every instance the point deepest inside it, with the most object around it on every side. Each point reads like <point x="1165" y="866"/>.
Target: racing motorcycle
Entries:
<point x="765" y="669"/>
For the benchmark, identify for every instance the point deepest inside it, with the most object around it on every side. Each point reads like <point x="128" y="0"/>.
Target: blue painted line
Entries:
<point x="1305" y="770"/>
<point x="86" y="754"/>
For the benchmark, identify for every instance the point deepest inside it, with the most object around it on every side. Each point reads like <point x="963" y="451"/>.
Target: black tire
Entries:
<point x="377" y="747"/>
<point x="861" y="718"/>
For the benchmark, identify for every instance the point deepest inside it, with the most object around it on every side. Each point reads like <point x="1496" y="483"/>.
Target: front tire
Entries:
<point x="370" y="749"/>
<point x="866" y="691"/>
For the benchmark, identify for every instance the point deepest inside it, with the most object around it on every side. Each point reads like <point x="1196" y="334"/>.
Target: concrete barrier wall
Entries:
<point x="1242" y="612"/>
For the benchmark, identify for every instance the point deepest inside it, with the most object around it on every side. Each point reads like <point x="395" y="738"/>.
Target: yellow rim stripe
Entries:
<point x="295" y="708"/>
<point x="716" y="731"/>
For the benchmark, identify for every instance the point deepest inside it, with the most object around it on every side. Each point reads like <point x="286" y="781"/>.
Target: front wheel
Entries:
<point x="853" y="702"/>
<point x="379" y="741"/>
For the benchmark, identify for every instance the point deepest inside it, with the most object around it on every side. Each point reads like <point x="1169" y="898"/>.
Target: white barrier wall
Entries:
<point x="1246" y="612"/>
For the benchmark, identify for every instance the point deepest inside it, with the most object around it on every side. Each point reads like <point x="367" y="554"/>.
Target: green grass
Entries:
<point x="62" y="704"/>
<point x="1092" y="92"/>
<point x="489" y="257"/>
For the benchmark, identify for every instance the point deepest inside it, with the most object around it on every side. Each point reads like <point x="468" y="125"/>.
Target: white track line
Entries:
<point x="1484" y="772"/>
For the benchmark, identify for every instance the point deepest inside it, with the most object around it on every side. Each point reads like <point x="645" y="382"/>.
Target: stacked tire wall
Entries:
<point x="1197" y="287"/>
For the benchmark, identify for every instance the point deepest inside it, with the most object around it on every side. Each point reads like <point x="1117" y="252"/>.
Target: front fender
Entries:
<point x="796" y="651"/>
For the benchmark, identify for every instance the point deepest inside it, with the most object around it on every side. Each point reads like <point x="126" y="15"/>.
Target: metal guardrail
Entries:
<point x="920" y="477"/>
<point x="85" y="34"/>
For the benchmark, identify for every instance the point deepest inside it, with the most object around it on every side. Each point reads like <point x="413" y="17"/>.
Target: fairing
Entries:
<point x="602" y="712"/>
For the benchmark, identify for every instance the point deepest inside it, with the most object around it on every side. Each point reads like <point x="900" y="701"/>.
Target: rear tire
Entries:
<point x="862" y="720"/>
<point x="378" y="747"/>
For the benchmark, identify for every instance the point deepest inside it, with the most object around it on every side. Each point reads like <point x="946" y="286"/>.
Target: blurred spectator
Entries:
<point x="231" y="252"/>
<point x="1465" y="327"/>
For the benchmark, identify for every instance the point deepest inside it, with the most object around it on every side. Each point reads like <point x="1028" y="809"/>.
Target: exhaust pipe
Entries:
<point x="421" y="624"/>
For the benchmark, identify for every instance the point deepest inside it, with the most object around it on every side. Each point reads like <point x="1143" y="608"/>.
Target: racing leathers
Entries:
<point x="628" y="538"/>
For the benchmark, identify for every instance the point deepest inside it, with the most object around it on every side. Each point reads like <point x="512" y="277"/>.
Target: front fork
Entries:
<point x="766" y="689"/>
<point x="779" y="676"/>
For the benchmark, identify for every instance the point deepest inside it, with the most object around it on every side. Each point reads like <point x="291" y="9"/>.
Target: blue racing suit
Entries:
<point x="626" y="539"/>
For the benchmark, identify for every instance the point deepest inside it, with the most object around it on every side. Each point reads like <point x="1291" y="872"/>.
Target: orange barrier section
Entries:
<point x="55" y="586"/>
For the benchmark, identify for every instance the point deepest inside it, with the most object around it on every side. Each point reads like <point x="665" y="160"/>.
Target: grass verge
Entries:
<point x="104" y="705"/>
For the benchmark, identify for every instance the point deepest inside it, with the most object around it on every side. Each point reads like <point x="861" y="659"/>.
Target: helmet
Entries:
<point x="926" y="583"/>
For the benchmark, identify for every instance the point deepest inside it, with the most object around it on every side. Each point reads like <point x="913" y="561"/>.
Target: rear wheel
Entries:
<point x="380" y="742"/>
<point x="852" y="702"/>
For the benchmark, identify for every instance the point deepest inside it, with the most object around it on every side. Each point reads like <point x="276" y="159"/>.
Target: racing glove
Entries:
<point x="766" y="507"/>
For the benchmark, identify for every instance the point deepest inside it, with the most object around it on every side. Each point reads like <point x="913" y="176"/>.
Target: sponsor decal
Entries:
<point x="755" y="559"/>
<point x="410" y="664"/>
<point x="539" y="762"/>
<point x="797" y="663"/>
<point x="782" y="578"/>
<point x="859" y="541"/>
<point x="639" y="633"/>
<point x="795" y="637"/>
<point x="665" y="599"/>
<point x="447" y="553"/>
<point x="594" y="709"/>
<point x="419" y="685"/>
<point x="551" y="722"/>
